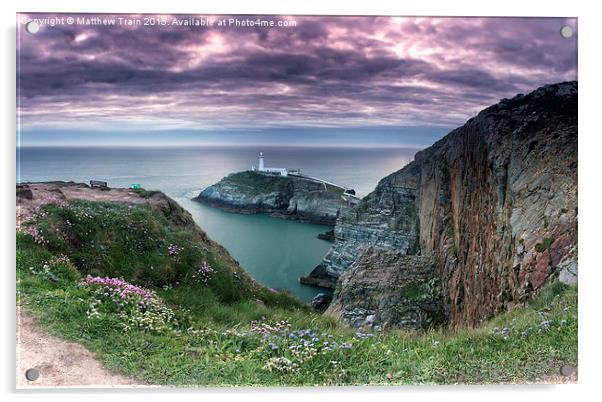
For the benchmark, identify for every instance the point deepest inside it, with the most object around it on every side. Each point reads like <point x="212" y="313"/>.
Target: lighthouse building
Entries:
<point x="269" y="170"/>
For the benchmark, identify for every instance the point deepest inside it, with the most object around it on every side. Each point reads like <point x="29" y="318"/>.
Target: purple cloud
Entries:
<point x="325" y="72"/>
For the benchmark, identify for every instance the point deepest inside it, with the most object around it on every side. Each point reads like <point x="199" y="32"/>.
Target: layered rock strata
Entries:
<point x="494" y="204"/>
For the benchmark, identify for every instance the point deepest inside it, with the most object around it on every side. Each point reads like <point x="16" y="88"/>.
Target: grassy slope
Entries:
<point x="255" y="183"/>
<point x="211" y="341"/>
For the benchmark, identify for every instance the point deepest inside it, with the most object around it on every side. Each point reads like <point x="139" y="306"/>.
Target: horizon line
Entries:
<point x="358" y="146"/>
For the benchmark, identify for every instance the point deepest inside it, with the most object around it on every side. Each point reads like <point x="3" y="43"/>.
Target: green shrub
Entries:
<point x="544" y="245"/>
<point x="144" y="193"/>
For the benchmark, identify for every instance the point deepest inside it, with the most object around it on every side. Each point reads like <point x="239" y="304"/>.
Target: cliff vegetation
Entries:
<point x="134" y="280"/>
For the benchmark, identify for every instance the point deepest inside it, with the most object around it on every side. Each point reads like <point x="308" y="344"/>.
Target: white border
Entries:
<point x="590" y="240"/>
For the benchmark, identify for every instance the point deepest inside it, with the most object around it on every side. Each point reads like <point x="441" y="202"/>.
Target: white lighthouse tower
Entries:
<point x="269" y="170"/>
<point x="261" y="166"/>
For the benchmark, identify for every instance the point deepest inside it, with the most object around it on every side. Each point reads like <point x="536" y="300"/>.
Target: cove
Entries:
<point x="274" y="251"/>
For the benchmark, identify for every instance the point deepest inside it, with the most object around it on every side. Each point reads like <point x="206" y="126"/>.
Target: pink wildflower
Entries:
<point x="203" y="272"/>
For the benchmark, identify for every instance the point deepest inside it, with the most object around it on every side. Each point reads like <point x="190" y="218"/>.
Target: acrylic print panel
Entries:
<point x="295" y="200"/>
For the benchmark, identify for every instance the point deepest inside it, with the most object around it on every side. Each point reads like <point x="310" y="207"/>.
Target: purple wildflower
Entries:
<point x="35" y="233"/>
<point x="203" y="273"/>
<point x="174" y="251"/>
<point x="121" y="291"/>
<point x="361" y="335"/>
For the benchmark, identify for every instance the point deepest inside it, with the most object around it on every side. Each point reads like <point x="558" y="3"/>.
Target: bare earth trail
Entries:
<point x="43" y="193"/>
<point x="60" y="363"/>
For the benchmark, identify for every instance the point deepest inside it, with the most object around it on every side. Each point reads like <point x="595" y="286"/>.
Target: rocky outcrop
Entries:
<point x="320" y="302"/>
<point x="385" y="219"/>
<point x="328" y="236"/>
<point x="287" y="197"/>
<point x="494" y="203"/>
<point x="23" y="191"/>
<point x="388" y="289"/>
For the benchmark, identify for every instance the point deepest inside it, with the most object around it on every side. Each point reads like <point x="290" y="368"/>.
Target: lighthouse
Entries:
<point x="261" y="167"/>
<point x="269" y="170"/>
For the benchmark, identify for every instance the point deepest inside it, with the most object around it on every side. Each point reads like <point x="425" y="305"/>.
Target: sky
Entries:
<point x="320" y="80"/>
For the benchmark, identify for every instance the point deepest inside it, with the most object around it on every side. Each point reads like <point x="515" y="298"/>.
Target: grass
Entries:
<point x="544" y="245"/>
<point x="144" y="193"/>
<point x="335" y="189"/>
<point x="228" y="330"/>
<point x="256" y="183"/>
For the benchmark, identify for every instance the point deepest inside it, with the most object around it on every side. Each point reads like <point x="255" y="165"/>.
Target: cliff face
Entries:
<point x="385" y="219"/>
<point x="287" y="197"/>
<point x="388" y="289"/>
<point x="494" y="203"/>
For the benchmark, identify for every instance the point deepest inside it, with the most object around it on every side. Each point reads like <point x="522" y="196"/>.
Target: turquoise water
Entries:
<point x="274" y="251"/>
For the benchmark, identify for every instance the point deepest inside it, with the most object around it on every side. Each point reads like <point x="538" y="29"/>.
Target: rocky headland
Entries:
<point x="288" y="197"/>
<point x="483" y="218"/>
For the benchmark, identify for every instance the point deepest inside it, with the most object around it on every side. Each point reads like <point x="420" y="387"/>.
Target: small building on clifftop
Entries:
<point x="268" y="170"/>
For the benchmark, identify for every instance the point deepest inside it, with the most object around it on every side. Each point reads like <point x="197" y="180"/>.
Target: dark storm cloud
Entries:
<point x="326" y="71"/>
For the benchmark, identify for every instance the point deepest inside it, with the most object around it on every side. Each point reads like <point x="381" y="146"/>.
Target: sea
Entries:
<point x="276" y="252"/>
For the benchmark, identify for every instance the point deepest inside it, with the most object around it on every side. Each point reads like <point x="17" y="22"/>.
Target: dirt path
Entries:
<point x="60" y="363"/>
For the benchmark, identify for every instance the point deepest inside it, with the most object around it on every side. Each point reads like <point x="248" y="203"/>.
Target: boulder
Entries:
<point x="388" y="289"/>
<point x="320" y="302"/>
